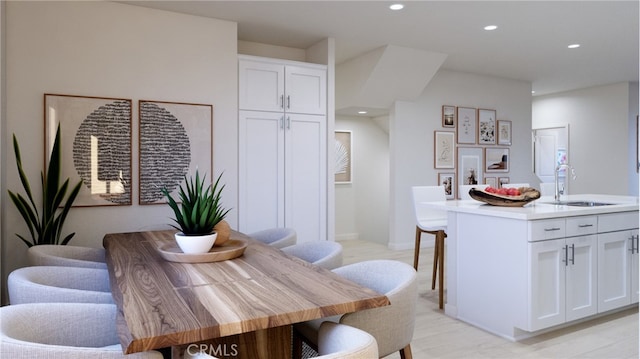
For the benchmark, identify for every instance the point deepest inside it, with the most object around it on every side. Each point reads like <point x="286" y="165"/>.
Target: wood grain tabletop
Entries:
<point x="163" y="304"/>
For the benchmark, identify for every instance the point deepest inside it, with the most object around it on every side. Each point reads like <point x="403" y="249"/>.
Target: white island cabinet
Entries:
<point x="520" y="271"/>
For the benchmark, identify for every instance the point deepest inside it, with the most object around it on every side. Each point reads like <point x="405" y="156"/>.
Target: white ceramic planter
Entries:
<point x="195" y="244"/>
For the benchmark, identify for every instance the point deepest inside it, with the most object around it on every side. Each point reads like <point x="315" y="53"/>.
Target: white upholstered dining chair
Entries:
<point x="464" y="190"/>
<point x="62" y="330"/>
<point x="392" y="326"/>
<point x="68" y="256"/>
<point x="276" y="237"/>
<point x="51" y="284"/>
<point x="325" y="254"/>
<point x="433" y="222"/>
<point x="339" y="341"/>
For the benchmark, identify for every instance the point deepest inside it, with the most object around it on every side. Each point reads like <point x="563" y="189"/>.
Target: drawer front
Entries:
<point x="617" y="221"/>
<point x="547" y="229"/>
<point x="582" y="225"/>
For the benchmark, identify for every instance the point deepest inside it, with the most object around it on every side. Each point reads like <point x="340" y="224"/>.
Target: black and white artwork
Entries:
<point x="96" y="146"/>
<point x="175" y="140"/>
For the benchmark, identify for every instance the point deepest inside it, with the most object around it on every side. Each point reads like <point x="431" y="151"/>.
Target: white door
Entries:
<point x="306" y="176"/>
<point x="581" y="277"/>
<point x="548" y="142"/>
<point x="261" y="170"/>
<point x="261" y="86"/>
<point x="614" y="270"/>
<point x="547" y="284"/>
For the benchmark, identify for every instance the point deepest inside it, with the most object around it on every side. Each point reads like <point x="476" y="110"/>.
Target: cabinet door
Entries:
<point x="581" y="277"/>
<point x="547" y="284"/>
<point x="261" y="86"/>
<point x="261" y="171"/>
<point x="306" y="176"/>
<point x="635" y="291"/>
<point x="614" y="255"/>
<point x="306" y="90"/>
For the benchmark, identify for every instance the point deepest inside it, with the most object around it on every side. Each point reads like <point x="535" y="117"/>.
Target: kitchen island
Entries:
<point x="520" y="271"/>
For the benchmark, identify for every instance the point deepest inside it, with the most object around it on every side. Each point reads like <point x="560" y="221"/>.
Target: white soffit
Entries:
<point x="380" y="77"/>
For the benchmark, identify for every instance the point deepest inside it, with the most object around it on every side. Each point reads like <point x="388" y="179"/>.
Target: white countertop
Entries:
<point x="541" y="208"/>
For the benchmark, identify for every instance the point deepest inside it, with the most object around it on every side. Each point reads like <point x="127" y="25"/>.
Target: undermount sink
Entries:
<point x="581" y="203"/>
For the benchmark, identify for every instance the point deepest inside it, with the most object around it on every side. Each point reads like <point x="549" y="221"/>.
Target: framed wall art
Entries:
<point x="175" y="139"/>
<point x="96" y="145"/>
<point x="491" y="181"/>
<point x="469" y="165"/>
<point x="486" y="127"/>
<point x="444" y="149"/>
<point x="496" y="159"/>
<point x="343" y="167"/>
<point x="448" y="180"/>
<point x="504" y="132"/>
<point x="466" y="125"/>
<point x="502" y="181"/>
<point x="448" y="116"/>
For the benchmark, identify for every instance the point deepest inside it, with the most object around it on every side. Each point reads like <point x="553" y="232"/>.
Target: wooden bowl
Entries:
<point x="527" y="194"/>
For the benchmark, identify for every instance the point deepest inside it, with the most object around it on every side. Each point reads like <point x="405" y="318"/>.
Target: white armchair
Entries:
<point x="277" y="237"/>
<point x="69" y="256"/>
<point x="339" y="341"/>
<point x="62" y="331"/>
<point x="48" y="284"/>
<point x="324" y="254"/>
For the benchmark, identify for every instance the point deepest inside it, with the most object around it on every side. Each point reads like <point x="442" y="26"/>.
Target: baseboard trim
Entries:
<point x="347" y="237"/>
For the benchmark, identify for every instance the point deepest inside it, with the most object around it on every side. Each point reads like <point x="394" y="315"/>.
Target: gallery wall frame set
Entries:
<point x="174" y="139"/>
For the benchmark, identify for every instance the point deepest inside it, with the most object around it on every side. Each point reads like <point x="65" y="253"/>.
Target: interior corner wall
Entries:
<point x="109" y="49"/>
<point x="362" y="207"/>
<point x="411" y="131"/>
<point x="634" y="139"/>
<point x="599" y="122"/>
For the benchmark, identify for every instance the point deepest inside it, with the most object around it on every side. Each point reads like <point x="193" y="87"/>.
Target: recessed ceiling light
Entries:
<point x="396" y="7"/>
<point x="532" y="92"/>
<point x="574" y="46"/>
<point x="490" y="27"/>
<point x="362" y="112"/>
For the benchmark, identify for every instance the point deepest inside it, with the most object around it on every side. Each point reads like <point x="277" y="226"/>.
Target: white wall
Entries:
<point x="109" y="49"/>
<point x="599" y="121"/>
<point x="411" y="138"/>
<point x="362" y="207"/>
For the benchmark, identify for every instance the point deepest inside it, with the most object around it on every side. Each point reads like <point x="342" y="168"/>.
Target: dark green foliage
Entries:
<point x="45" y="227"/>
<point x="200" y="209"/>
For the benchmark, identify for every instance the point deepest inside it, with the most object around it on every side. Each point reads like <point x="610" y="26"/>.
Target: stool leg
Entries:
<point x="436" y="250"/>
<point x="416" y="250"/>
<point x="442" y="235"/>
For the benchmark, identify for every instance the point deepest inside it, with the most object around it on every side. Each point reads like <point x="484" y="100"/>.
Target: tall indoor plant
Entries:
<point x="197" y="213"/>
<point x="45" y="225"/>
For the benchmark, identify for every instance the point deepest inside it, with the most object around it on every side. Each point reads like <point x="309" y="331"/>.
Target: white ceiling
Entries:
<point x="530" y="43"/>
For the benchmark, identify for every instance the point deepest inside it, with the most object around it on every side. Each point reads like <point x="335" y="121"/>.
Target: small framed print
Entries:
<point x="448" y="180"/>
<point x="504" y="133"/>
<point x="344" y="157"/>
<point x="448" y="116"/>
<point x="491" y="181"/>
<point x="469" y="165"/>
<point x="496" y="159"/>
<point x="503" y="181"/>
<point x="443" y="149"/>
<point x="466" y="126"/>
<point x="486" y="127"/>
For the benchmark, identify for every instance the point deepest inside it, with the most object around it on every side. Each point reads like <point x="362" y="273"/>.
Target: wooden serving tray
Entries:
<point x="230" y="249"/>
<point x="528" y="195"/>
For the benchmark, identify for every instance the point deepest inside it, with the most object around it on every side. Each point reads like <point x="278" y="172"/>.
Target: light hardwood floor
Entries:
<point x="439" y="336"/>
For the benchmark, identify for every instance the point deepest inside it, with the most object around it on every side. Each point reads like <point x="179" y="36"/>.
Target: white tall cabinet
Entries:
<point x="283" y="146"/>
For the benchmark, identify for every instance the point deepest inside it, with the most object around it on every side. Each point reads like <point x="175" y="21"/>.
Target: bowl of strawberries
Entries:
<point x="506" y="197"/>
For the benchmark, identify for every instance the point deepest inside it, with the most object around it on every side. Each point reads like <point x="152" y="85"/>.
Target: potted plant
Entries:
<point x="197" y="213"/>
<point x="45" y="225"/>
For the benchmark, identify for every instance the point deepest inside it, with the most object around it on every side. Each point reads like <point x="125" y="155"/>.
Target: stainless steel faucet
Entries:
<point x="558" y="169"/>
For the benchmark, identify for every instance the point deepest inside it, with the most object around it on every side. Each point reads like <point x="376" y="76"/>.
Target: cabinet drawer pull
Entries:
<point x="288" y="101"/>
<point x="281" y="101"/>
<point x="585" y="225"/>
<point x="552" y="229"/>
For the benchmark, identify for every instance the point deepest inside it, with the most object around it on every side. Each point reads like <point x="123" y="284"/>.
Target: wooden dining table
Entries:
<point x="242" y="307"/>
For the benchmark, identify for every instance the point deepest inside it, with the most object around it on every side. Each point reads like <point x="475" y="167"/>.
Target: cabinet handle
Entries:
<point x="281" y="101"/>
<point x="633" y="244"/>
<point x="282" y="122"/>
<point x="573" y="254"/>
<point x="566" y="255"/>
<point x="585" y="225"/>
<point x="551" y="229"/>
<point x="288" y="101"/>
<point x="288" y="123"/>
<point x="637" y="240"/>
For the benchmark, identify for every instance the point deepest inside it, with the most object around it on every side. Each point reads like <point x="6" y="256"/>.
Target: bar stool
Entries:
<point x="432" y="222"/>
